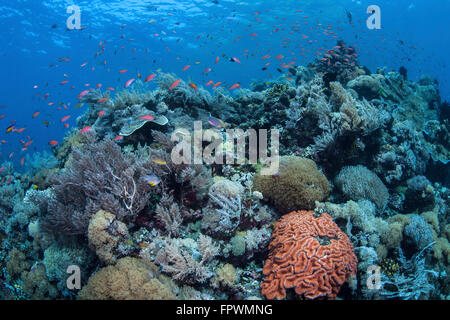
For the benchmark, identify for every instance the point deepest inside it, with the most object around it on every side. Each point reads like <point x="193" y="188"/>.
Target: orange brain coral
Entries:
<point x="310" y="253"/>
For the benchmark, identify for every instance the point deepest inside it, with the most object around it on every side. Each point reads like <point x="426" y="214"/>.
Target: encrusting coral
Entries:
<point x="310" y="254"/>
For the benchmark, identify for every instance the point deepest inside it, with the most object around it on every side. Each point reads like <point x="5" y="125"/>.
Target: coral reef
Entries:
<point x="366" y="153"/>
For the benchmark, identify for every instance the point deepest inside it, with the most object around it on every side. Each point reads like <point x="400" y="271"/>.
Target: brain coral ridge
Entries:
<point x="309" y="253"/>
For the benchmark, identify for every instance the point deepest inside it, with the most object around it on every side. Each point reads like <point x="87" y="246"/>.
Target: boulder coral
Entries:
<point x="297" y="185"/>
<point x="309" y="253"/>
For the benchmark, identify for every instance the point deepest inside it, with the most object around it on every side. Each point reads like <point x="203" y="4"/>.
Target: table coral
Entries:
<point x="309" y="253"/>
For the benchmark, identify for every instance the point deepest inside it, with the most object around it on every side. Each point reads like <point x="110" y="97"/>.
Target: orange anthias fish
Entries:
<point x="185" y="68"/>
<point x="175" y="84"/>
<point x="64" y="119"/>
<point x="123" y="71"/>
<point x="147" y="117"/>
<point x="235" y="86"/>
<point x="193" y="85"/>
<point x="150" y="77"/>
<point x="82" y="94"/>
<point x="210" y="82"/>
<point x="53" y="143"/>
<point x="129" y="82"/>
<point x="86" y="129"/>
<point x="217" y="84"/>
<point x="102" y="100"/>
<point x="236" y="60"/>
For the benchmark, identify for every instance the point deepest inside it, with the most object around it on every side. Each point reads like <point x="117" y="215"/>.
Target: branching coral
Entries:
<point x="222" y="215"/>
<point x="182" y="265"/>
<point x="413" y="280"/>
<point x="310" y="254"/>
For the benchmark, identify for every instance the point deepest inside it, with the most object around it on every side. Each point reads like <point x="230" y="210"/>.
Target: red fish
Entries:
<point x="118" y="138"/>
<point x="86" y="129"/>
<point x="175" y="84"/>
<point x="217" y="60"/>
<point x="207" y="70"/>
<point x="35" y="114"/>
<point x="185" y="68"/>
<point x="123" y="71"/>
<point x="101" y="113"/>
<point x="150" y="77"/>
<point x="82" y="94"/>
<point x="64" y="119"/>
<point x="53" y="143"/>
<point x="64" y="82"/>
<point x="217" y="84"/>
<point x="102" y="100"/>
<point x="236" y="60"/>
<point x="210" y="82"/>
<point x="235" y="86"/>
<point x="129" y="82"/>
<point x="147" y="117"/>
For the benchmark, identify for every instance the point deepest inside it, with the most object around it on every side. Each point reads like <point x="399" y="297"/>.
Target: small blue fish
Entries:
<point x="151" y="180"/>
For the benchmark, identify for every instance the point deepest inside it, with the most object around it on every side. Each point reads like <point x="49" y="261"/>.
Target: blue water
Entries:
<point x="414" y="34"/>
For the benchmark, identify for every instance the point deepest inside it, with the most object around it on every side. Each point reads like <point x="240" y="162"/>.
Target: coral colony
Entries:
<point x="329" y="183"/>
